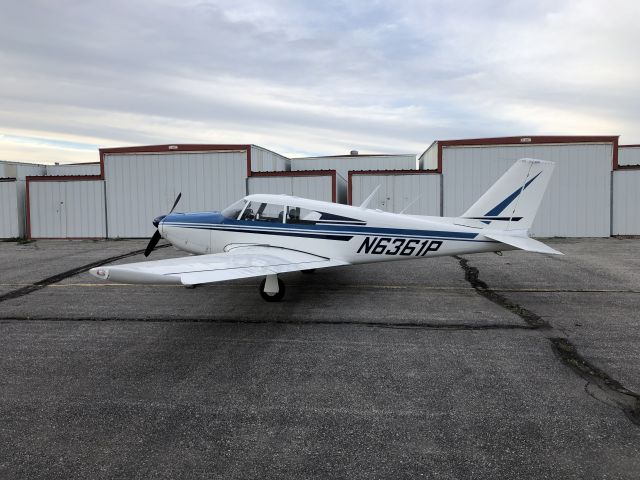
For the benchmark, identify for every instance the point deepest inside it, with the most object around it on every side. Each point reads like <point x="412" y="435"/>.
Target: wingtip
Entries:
<point x="100" y="272"/>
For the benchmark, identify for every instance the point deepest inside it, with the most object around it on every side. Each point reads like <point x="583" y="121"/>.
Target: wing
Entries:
<point x="239" y="261"/>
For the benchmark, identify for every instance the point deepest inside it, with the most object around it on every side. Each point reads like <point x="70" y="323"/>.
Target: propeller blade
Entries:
<point x="156" y="221"/>
<point x="152" y="243"/>
<point x="175" y="203"/>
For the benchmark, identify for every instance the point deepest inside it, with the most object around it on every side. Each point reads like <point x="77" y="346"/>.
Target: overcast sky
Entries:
<point x="311" y="77"/>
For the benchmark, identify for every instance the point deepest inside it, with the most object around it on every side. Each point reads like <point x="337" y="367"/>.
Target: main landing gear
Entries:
<point x="272" y="288"/>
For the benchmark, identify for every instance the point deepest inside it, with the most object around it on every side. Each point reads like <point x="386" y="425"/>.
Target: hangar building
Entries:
<point x="578" y="200"/>
<point x="595" y="190"/>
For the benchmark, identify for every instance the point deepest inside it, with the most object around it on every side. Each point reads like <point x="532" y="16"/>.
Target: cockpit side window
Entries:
<point x="263" y="212"/>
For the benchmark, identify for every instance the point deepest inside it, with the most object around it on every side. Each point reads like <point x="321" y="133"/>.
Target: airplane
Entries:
<point x="265" y="235"/>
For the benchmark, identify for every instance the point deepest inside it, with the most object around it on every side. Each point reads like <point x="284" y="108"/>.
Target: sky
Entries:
<point x="311" y="78"/>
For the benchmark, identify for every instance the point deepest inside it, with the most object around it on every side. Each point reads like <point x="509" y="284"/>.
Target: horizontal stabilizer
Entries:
<point x="523" y="243"/>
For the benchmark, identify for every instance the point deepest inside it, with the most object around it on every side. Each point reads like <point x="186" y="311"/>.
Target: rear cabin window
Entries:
<point x="313" y="217"/>
<point x="302" y="215"/>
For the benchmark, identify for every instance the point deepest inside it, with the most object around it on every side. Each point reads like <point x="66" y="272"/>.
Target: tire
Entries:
<point x="272" y="298"/>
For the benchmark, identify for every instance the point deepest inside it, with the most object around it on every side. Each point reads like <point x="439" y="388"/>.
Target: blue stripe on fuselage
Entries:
<point x="216" y="221"/>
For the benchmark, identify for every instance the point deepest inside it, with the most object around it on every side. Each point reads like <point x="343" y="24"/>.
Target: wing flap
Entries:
<point x="523" y="243"/>
<point x="195" y="278"/>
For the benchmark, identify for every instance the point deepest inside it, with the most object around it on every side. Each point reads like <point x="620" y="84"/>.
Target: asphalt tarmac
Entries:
<point x="513" y="366"/>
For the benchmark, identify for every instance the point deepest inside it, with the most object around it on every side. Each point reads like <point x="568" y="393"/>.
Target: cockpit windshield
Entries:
<point x="233" y="210"/>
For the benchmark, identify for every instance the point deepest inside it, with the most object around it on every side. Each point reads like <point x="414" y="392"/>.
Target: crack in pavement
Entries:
<point x="20" y="292"/>
<point x="471" y="275"/>
<point x="390" y="325"/>
<point x="614" y="392"/>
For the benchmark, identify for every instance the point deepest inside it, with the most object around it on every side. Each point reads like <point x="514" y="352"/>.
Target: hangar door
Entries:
<point x="67" y="209"/>
<point x="141" y="186"/>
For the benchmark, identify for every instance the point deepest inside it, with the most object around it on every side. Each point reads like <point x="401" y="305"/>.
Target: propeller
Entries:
<point x="156" y="222"/>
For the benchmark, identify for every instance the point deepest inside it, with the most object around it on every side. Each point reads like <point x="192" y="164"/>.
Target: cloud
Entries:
<point x="317" y="77"/>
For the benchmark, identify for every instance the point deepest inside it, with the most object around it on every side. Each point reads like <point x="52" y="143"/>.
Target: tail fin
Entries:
<point x="512" y="202"/>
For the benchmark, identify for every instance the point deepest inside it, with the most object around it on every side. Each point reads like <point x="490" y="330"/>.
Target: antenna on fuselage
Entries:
<point x="364" y="204"/>
<point x="407" y="207"/>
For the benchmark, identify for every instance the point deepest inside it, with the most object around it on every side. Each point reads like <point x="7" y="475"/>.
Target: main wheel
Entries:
<point x="272" y="297"/>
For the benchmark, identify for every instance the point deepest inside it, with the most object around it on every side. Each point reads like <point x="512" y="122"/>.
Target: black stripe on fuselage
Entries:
<point x="503" y="219"/>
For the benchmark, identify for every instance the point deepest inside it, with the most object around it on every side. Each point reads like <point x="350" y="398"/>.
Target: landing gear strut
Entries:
<point x="272" y="289"/>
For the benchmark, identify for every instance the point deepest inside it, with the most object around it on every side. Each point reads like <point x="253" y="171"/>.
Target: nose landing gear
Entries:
<point x="272" y="289"/>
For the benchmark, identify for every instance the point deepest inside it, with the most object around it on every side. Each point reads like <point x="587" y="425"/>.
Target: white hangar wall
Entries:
<point x="345" y="163"/>
<point x="10" y="222"/>
<point x="429" y="158"/>
<point x="577" y="202"/>
<point x="20" y="171"/>
<point x="626" y="202"/>
<point x="629" y="155"/>
<point x="73" y="169"/>
<point x="142" y="185"/>
<point x="315" y="186"/>
<point x="420" y="192"/>
<point x="263" y="160"/>
<point x="17" y="215"/>
<point x="66" y="209"/>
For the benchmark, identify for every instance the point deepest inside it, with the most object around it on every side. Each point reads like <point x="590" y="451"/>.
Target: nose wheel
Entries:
<point x="272" y="289"/>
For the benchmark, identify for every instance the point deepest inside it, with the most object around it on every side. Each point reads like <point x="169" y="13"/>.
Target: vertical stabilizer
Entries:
<point x="512" y="202"/>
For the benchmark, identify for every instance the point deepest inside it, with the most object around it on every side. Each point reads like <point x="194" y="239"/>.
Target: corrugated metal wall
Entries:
<point x="263" y="160"/>
<point x="429" y="159"/>
<point x="576" y="204"/>
<point x="399" y="191"/>
<point x="10" y="225"/>
<point x="67" y="209"/>
<point x="75" y="169"/>
<point x="629" y="156"/>
<point x="315" y="187"/>
<point x="20" y="170"/>
<point x="626" y="202"/>
<point x="7" y="169"/>
<point x="355" y="162"/>
<point x="142" y="186"/>
<point x="25" y="170"/>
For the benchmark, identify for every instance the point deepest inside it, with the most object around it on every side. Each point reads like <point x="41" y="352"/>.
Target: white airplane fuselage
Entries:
<point x="367" y="236"/>
<point x="266" y="235"/>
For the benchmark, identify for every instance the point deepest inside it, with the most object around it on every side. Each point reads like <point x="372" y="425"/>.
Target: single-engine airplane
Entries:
<point x="265" y="235"/>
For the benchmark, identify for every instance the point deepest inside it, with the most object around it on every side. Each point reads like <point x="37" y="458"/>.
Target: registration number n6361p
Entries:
<point x="410" y="247"/>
